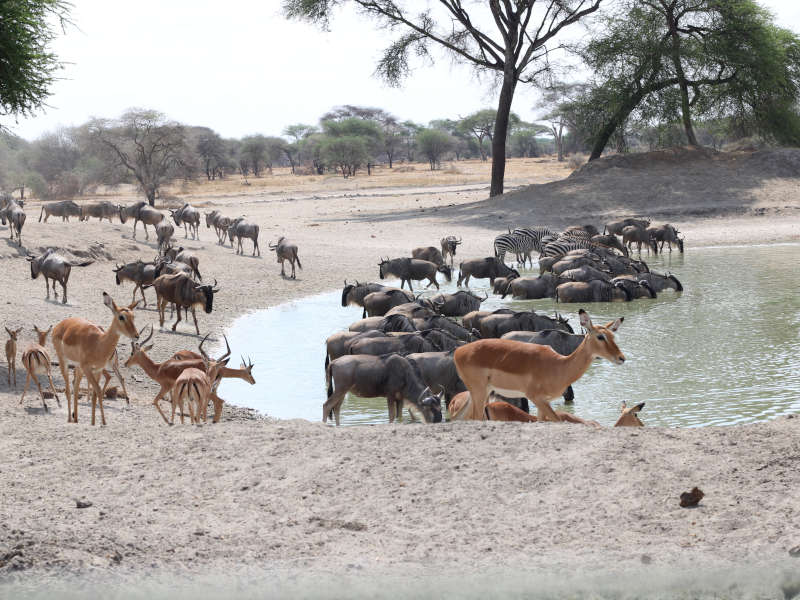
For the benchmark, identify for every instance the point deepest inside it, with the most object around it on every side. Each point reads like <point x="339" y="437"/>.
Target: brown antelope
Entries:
<point x="539" y="373"/>
<point x="629" y="418"/>
<point x="195" y="386"/>
<point x="90" y="348"/>
<point x="11" y="354"/>
<point x="244" y="372"/>
<point x="36" y="360"/>
<point x="167" y="372"/>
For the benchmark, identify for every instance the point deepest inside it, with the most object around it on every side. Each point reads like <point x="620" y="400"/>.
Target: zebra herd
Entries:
<point x="550" y="243"/>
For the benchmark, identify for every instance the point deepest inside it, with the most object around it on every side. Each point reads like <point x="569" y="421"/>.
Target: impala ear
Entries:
<point x="109" y="302"/>
<point x="147" y="348"/>
<point x="614" y="325"/>
<point x="133" y="305"/>
<point x="586" y="322"/>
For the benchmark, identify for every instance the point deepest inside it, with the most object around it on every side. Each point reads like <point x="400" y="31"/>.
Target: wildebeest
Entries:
<point x="666" y="233"/>
<point x="429" y="253"/>
<point x="439" y="371"/>
<point x="354" y="293"/>
<point x="171" y="267"/>
<point x="183" y="292"/>
<point x="408" y="269"/>
<point x="455" y="330"/>
<point x="585" y="273"/>
<point x="501" y="284"/>
<point x="473" y="320"/>
<point x="417" y="308"/>
<point x="219" y="223"/>
<point x="632" y="234"/>
<point x="481" y="268"/>
<point x="400" y="344"/>
<point x="188" y="216"/>
<point x="141" y="211"/>
<point x="377" y="304"/>
<point x="494" y="326"/>
<point x="164" y="233"/>
<point x="64" y="209"/>
<point x="610" y="241"/>
<point x="284" y="250"/>
<point x="338" y="344"/>
<point x="101" y="210"/>
<point x="657" y="281"/>
<point x="616" y="227"/>
<point x="184" y="256"/>
<point x="637" y="288"/>
<point x="13" y="213"/>
<point x="581" y="230"/>
<point x="392" y="376"/>
<point x="534" y="288"/>
<point x="54" y="266"/>
<point x="241" y="228"/>
<point x="449" y="245"/>
<point x="458" y="304"/>
<point x="140" y="273"/>
<point x="592" y="291"/>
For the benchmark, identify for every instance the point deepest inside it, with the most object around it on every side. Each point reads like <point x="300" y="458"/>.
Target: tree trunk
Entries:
<point x="676" y="61"/>
<point x="501" y="132"/>
<point x="151" y="196"/>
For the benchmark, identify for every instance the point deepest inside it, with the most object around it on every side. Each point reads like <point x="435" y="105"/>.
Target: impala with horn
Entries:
<point x="539" y="373"/>
<point x="90" y="348"/>
<point x="391" y="376"/>
<point x="54" y="266"/>
<point x="185" y="293"/>
<point x="196" y="386"/>
<point x="285" y="251"/>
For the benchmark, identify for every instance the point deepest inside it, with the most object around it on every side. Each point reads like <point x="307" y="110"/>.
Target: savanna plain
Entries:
<point x="290" y="507"/>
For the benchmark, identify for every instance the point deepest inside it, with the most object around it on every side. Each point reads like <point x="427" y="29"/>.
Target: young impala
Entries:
<point x="36" y="360"/>
<point x="90" y="348"/>
<point x="539" y="373"/>
<point x="11" y="354"/>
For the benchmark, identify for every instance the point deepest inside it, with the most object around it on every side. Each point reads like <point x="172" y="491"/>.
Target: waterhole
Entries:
<point x="723" y="352"/>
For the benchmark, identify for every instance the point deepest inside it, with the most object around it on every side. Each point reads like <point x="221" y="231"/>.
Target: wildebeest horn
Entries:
<point x="214" y="288"/>
<point x="459" y="240"/>
<point x="117" y="268"/>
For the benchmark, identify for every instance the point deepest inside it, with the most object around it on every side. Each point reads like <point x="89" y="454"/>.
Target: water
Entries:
<point x="725" y="351"/>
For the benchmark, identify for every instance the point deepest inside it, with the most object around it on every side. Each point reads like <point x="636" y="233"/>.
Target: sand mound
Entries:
<point x="674" y="184"/>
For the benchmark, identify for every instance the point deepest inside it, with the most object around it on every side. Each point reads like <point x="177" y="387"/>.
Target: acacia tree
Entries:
<point x="511" y="39"/>
<point x="145" y="143"/>
<point x="434" y="143"/>
<point x="662" y="60"/>
<point x="211" y="149"/>
<point x="27" y="65"/>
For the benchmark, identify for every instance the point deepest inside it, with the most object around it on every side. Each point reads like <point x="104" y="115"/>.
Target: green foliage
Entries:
<point x="347" y="153"/>
<point x="434" y="144"/>
<point x="27" y="65"/>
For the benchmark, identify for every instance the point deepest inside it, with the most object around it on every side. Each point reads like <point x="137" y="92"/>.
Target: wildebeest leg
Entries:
<point x="255" y="247"/>
<point x="178" y="320"/>
<point x="64" y="286"/>
<point x="194" y="316"/>
<point x="334" y="403"/>
<point x="390" y="404"/>
<point x="283" y="274"/>
<point x="293" y="275"/>
<point x="146" y="235"/>
<point x="47" y="285"/>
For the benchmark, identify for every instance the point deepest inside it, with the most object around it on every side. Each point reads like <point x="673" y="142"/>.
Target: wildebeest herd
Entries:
<point x="174" y="274"/>
<point x="406" y="347"/>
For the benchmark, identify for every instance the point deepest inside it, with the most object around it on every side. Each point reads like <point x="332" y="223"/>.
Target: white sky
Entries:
<point x="240" y="67"/>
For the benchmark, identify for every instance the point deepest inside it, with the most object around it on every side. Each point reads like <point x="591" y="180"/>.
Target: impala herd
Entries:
<point x="484" y="372"/>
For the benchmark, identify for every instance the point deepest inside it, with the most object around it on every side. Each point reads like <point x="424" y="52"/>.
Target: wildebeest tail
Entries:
<point x="196" y="271"/>
<point x="40" y="214"/>
<point x="297" y="258"/>
<point x="327" y="359"/>
<point x="85" y="263"/>
<point x="328" y="379"/>
<point x="118" y="281"/>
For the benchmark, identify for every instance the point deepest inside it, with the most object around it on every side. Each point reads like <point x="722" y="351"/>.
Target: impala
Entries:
<point x="90" y="348"/>
<point x="36" y="360"/>
<point x="539" y="373"/>
<point x="196" y="387"/>
<point x="167" y="372"/>
<point x="11" y="353"/>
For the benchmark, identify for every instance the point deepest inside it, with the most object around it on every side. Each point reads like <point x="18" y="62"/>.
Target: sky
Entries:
<point x="241" y="68"/>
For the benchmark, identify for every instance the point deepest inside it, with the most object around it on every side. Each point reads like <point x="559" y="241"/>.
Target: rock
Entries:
<point x="691" y="498"/>
<point x="82" y="503"/>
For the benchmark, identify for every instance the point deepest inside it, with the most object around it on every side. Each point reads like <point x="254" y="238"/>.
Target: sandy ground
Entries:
<point x="255" y="495"/>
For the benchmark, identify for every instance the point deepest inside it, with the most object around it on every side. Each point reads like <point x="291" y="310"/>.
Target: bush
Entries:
<point x="576" y="161"/>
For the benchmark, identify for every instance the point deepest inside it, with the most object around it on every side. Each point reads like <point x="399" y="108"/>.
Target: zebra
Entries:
<point x="512" y="244"/>
<point x="563" y="245"/>
<point x="539" y="237"/>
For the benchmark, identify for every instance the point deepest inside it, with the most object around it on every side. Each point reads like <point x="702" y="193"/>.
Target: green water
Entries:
<point x="723" y="352"/>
